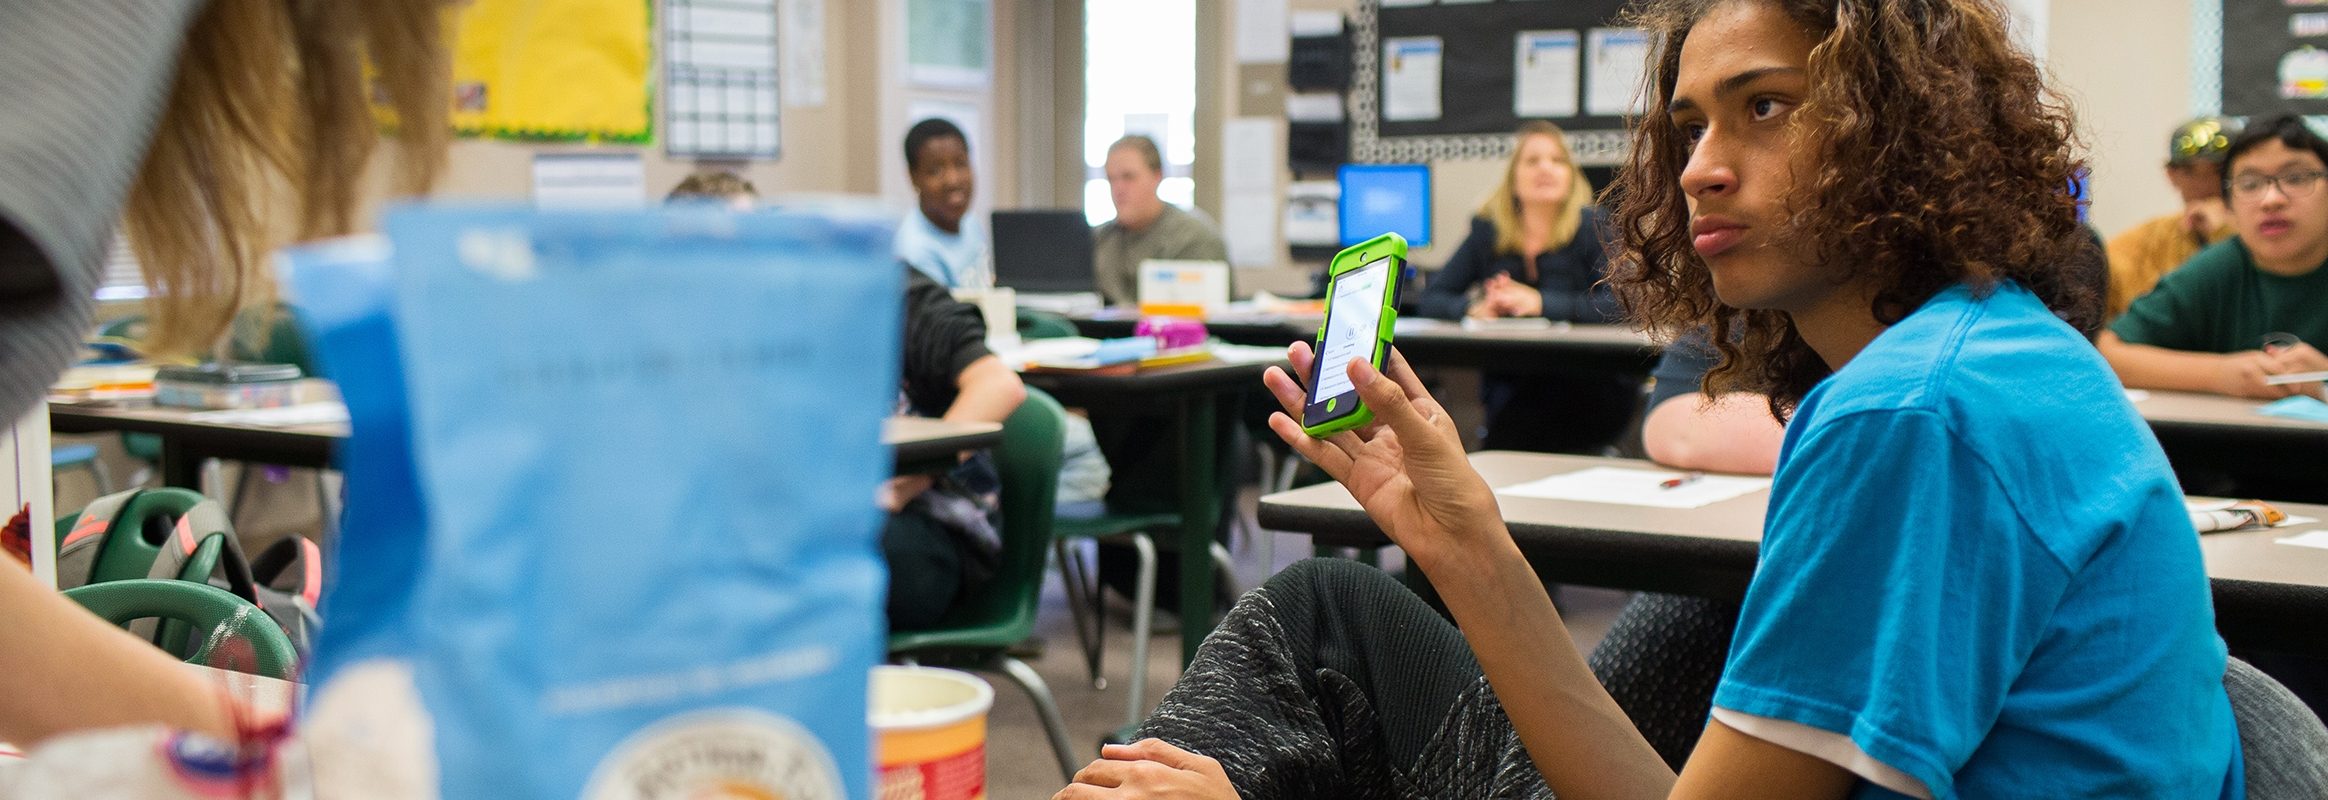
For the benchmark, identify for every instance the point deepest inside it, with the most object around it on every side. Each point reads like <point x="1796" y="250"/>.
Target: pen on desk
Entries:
<point x="1680" y="481"/>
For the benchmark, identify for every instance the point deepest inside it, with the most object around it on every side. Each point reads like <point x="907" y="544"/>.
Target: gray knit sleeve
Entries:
<point x="82" y="82"/>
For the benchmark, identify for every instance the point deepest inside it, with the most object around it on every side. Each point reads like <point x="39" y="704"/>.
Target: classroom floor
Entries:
<point x="1019" y="763"/>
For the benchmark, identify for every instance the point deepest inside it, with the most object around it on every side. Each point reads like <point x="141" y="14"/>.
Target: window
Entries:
<point x="1140" y="77"/>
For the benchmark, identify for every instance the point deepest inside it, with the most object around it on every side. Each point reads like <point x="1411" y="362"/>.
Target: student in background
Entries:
<point x="1733" y="432"/>
<point x="1145" y="226"/>
<point x="2250" y="307"/>
<point x="209" y="131"/>
<point x="1535" y="251"/>
<point x="1990" y="622"/>
<point x="943" y="531"/>
<point x="719" y="186"/>
<point x="939" y="238"/>
<point x="2142" y="254"/>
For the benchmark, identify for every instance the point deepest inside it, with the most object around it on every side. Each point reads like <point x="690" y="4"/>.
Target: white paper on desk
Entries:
<point x="1617" y="59"/>
<point x="1544" y="73"/>
<point x="1410" y="77"/>
<point x="321" y="413"/>
<point x="2136" y="395"/>
<point x="1636" y="487"/>
<point x="2317" y="539"/>
<point x="1262" y="37"/>
<point x="1248" y="354"/>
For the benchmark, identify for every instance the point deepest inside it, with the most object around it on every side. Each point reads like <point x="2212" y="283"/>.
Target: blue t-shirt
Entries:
<point x="955" y="260"/>
<point x="1978" y="567"/>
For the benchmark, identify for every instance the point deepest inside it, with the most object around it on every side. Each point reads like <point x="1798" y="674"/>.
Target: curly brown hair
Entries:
<point x="1941" y="155"/>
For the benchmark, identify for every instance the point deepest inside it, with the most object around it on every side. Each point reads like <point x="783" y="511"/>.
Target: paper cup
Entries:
<point x="929" y="733"/>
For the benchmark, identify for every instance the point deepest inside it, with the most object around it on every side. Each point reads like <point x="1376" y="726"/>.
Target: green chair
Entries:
<point x="1083" y="590"/>
<point x="985" y="623"/>
<point x="235" y="635"/>
<point x="1034" y="324"/>
<point x="129" y="552"/>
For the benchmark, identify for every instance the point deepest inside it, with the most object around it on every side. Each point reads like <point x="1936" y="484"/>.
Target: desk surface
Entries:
<point x="914" y="438"/>
<point x="1208" y="376"/>
<point x="2192" y="410"/>
<point x="2262" y="587"/>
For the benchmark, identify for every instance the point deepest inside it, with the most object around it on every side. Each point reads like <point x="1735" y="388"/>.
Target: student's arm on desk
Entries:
<point x="990" y="391"/>
<point x="2240" y="374"/>
<point x="67" y="670"/>
<point x="1733" y="433"/>
<point x="986" y="391"/>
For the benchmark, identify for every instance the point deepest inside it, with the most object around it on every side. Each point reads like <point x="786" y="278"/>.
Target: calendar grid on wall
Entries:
<point x="720" y="78"/>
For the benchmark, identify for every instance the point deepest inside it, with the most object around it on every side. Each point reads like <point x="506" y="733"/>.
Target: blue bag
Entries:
<point x="645" y="446"/>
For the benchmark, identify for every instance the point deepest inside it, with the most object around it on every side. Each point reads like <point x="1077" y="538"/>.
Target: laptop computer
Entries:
<point x="1043" y="252"/>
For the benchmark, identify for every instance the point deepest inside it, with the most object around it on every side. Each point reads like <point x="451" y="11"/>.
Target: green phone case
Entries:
<point x="1353" y="257"/>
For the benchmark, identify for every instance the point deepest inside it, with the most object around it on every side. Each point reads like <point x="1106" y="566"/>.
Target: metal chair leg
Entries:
<point x="103" y="476"/>
<point x="1143" y="619"/>
<point x="1091" y="625"/>
<point x="1047" y="709"/>
<point x="1228" y="568"/>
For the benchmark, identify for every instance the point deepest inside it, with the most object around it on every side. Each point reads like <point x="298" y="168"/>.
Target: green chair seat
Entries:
<point x="1067" y="528"/>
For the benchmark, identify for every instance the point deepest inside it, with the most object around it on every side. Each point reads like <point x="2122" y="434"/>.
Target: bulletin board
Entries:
<point x="1433" y="80"/>
<point x="553" y="70"/>
<point x="2274" y="57"/>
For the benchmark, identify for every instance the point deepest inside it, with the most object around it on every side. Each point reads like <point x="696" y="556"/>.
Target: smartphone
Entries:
<point x="1362" y="287"/>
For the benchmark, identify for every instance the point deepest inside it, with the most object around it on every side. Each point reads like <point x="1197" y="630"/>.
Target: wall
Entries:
<point x="847" y="145"/>
<point x="2124" y="64"/>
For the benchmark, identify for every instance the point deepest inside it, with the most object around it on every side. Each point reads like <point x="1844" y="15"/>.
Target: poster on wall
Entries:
<point x="553" y="70"/>
<point x="2275" y="57"/>
<point x="947" y="43"/>
<point x="719" y="59"/>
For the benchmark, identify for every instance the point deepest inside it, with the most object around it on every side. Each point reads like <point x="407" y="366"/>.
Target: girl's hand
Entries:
<point x="1407" y="468"/>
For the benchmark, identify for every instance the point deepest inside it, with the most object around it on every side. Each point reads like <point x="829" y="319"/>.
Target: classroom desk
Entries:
<point x="2212" y="438"/>
<point x="2266" y="594"/>
<point x="1610" y="348"/>
<point x="1193" y="394"/>
<point x="922" y="445"/>
<point x="1262" y="330"/>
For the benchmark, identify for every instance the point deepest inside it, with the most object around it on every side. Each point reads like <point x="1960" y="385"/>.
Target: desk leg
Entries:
<point x="1200" y="508"/>
<point x="181" y="467"/>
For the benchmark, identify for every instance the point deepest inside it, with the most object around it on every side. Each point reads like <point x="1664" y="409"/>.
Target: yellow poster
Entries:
<point x="555" y="69"/>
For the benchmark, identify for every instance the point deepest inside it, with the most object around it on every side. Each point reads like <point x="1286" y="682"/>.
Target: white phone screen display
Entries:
<point x="1353" y="321"/>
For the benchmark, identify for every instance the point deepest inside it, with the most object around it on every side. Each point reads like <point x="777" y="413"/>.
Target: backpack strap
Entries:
<point x="77" y="554"/>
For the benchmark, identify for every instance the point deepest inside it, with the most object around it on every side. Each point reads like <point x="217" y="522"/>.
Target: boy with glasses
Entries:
<point x="2256" y="306"/>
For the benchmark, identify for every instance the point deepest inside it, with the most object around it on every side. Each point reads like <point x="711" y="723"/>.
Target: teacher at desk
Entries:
<point x="1535" y="251"/>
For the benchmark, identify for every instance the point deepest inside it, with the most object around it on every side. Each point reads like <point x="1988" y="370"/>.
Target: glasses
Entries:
<point x="2293" y="185"/>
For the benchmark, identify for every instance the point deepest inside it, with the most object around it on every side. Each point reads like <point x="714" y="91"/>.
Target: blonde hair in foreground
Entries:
<point x="1503" y="207"/>
<point x="270" y="122"/>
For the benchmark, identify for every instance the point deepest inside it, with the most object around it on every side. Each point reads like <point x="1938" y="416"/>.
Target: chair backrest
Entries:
<point x="2284" y="745"/>
<point x="1034" y="324"/>
<point x="136" y="535"/>
<point x="1027" y="461"/>
<point x="233" y="634"/>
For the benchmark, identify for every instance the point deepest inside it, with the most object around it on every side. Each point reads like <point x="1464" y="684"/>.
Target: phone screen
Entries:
<point x="1353" y="323"/>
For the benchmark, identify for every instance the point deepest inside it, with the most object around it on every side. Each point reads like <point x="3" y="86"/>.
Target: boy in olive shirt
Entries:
<point x="2251" y="307"/>
<point x="1145" y="226"/>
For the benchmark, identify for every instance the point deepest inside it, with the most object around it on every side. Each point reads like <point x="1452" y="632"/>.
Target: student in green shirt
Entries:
<point x="2250" y="307"/>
